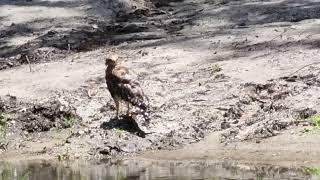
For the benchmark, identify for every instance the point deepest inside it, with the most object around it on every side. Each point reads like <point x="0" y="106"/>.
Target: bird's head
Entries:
<point x="112" y="60"/>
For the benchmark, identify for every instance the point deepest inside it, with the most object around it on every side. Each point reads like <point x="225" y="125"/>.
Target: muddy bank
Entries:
<point x="206" y="70"/>
<point x="255" y="113"/>
<point x="264" y="110"/>
<point x="21" y="120"/>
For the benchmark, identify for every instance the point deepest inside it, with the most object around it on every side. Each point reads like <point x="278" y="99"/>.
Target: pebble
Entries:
<point x="86" y="130"/>
<point x="225" y="125"/>
<point x="77" y="156"/>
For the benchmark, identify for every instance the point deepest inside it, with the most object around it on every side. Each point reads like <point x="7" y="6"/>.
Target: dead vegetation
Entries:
<point x="264" y="110"/>
<point x="31" y="118"/>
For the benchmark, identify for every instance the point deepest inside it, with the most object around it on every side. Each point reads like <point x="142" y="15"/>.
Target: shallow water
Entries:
<point x="149" y="170"/>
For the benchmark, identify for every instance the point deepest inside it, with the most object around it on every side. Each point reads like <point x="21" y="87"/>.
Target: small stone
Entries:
<point x="18" y="56"/>
<point x="77" y="156"/>
<point x="225" y="125"/>
<point x="105" y="151"/>
<point x="306" y="129"/>
<point x="159" y="94"/>
<point x="235" y="122"/>
<point x="144" y="53"/>
<point x="10" y="64"/>
<point x="86" y="130"/>
<point x="94" y="26"/>
<point x="21" y="145"/>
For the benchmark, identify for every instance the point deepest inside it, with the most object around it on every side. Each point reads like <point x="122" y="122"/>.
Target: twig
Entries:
<point x="29" y="63"/>
<point x="45" y="56"/>
<point x="303" y="68"/>
<point x="69" y="48"/>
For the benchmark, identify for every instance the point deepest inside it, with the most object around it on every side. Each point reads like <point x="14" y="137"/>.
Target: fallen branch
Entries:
<point x="69" y="49"/>
<point x="303" y="68"/>
<point x="29" y="63"/>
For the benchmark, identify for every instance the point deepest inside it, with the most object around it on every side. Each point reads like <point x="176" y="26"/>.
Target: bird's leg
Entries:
<point x="117" y="107"/>
<point x="128" y="109"/>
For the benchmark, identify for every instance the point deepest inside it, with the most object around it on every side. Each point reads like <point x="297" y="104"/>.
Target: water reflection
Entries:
<point x="147" y="170"/>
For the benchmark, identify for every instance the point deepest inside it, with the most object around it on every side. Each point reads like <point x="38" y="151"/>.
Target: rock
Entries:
<point x="105" y="151"/>
<point x="225" y="125"/>
<point x="81" y="132"/>
<point x="305" y="113"/>
<point x="76" y="156"/>
<point x="86" y="130"/>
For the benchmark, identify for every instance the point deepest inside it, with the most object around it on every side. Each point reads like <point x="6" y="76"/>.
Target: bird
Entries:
<point x="123" y="88"/>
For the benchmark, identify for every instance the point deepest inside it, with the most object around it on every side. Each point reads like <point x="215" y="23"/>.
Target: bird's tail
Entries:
<point x="144" y="107"/>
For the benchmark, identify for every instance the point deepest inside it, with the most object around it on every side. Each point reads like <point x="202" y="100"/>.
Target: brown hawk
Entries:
<point x="124" y="89"/>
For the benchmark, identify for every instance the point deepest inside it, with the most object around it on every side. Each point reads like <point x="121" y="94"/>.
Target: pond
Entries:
<point x="151" y="170"/>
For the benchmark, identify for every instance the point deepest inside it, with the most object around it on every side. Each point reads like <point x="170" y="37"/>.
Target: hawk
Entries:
<point x="122" y="88"/>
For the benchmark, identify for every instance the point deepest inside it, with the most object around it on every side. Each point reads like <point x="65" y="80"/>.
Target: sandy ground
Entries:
<point x="287" y="149"/>
<point x="250" y="110"/>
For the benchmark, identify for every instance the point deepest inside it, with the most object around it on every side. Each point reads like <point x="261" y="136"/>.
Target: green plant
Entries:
<point x="4" y="118"/>
<point x="118" y="132"/>
<point x="215" y="68"/>
<point x="312" y="171"/>
<point x="64" y="156"/>
<point x="315" y="121"/>
<point x="68" y="121"/>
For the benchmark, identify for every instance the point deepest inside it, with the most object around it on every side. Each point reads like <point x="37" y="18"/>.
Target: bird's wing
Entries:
<point x="130" y="91"/>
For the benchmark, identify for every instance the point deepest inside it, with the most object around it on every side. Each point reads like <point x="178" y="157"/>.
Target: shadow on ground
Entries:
<point x="240" y="16"/>
<point x="258" y="13"/>
<point x="126" y="123"/>
<point x="162" y="22"/>
<point x="61" y="3"/>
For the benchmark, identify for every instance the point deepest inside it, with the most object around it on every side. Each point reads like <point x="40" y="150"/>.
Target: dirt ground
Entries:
<point x="220" y="75"/>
